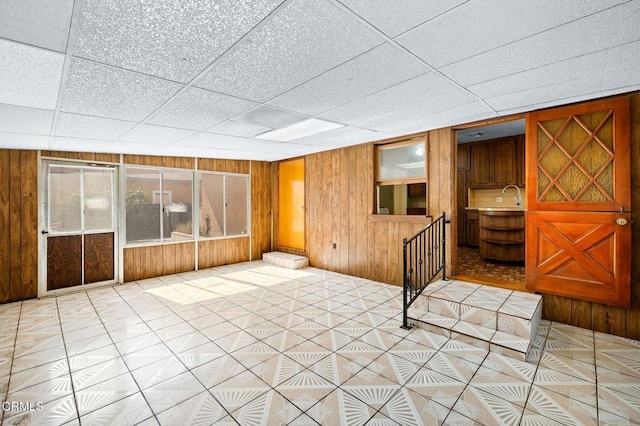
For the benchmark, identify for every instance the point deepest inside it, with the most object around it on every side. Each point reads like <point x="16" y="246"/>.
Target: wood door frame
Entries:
<point x="275" y="173"/>
<point x="43" y="181"/>
<point x="454" y="172"/>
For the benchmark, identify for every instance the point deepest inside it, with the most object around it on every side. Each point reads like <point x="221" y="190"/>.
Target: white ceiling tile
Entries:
<point x="234" y="128"/>
<point x="42" y="23"/>
<point x="198" y="109"/>
<point x="255" y="145"/>
<point x="375" y="70"/>
<point x="419" y="111"/>
<point x="104" y="91"/>
<point x="617" y="72"/>
<point x="403" y="94"/>
<point x="29" y="76"/>
<point x="123" y="147"/>
<point x="206" y="140"/>
<point x="604" y="30"/>
<point x="61" y="143"/>
<point x="466" y="113"/>
<point x="18" y="119"/>
<point x="147" y="133"/>
<point x="480" y="26"/>
<point x="23" y="141"/>
<point x="392" y="20"/>
<point x="267" y="116"/>
<point x="89" y="127"/>
<point x="312" y="35"/>
<point x="174" y="40"/>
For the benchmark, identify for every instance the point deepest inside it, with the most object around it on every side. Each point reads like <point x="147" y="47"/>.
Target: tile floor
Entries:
<point x="257" y="344"/>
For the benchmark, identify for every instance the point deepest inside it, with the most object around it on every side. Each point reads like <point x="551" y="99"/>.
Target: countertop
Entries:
<point x="496" y="209"/>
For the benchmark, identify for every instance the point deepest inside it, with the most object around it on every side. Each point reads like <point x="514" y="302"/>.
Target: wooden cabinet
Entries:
<point x="502" y="235"/>
<point x="473" y="228"/>
<point x="493" y="164"/>
<point x="417" y="190"/>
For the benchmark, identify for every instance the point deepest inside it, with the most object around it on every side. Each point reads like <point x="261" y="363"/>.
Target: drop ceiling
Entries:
<point x="206" y="78"/>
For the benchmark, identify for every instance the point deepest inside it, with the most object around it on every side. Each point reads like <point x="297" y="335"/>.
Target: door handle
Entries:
<point x="621" y="221"/>
<point x="44" y="232"/>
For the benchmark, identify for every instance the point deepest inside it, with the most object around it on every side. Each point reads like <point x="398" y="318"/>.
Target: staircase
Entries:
<point x="499" y="320"/>
<point x="285" y="260"/>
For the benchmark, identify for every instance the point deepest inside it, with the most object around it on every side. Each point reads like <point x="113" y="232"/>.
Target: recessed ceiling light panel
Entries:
<point x="308" y="127"/>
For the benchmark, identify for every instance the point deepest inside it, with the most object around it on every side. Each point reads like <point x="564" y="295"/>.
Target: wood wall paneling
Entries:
<point x="260" y="209"/>
<point x="5" y="229"/>
<point x="98" y="257"/>
<point x="64" y="261"/>
<point x="18" y="225"/>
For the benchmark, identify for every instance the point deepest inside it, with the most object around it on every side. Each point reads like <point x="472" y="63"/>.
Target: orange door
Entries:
<point x="291" y="204"/>
<point x="579" y="202"/>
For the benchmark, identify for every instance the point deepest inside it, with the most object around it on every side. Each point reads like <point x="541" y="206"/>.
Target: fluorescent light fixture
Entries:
<point x="308" y="127"/>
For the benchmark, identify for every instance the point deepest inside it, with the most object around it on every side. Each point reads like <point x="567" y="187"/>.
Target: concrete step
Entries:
<point x="496" y="319"/>
<point x="285" y="260"/>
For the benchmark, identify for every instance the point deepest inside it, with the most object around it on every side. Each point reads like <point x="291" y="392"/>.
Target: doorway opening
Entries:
<point x="491" y="204"/>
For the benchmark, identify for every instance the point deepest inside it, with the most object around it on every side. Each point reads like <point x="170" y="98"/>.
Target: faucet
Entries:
<point x="518" y="196"/>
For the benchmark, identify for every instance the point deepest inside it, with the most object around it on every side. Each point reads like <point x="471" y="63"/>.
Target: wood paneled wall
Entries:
<point x="19" y="221"/>
<point x="18" y="225"/>
<point x="340" y="200"/>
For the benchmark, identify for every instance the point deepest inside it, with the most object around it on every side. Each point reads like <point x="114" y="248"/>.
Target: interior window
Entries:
<point x="224" y="205"/>
<point x="401" y="178"/>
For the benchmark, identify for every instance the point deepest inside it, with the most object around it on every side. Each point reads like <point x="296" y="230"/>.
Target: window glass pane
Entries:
<point x="211" y="205"/>
<point x="177" y="198"/>
<point x="405" y="161"/>
<point x="98" y="199"/>
<point x="64" y="199"/>
<point x="236" y="192"/>
<point x="403" y="199"/>
<point x="142" y="213"/>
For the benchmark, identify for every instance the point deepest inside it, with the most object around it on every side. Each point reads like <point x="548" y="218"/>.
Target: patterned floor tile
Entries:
<point x="218" y="370"/>
<point x="560" y="408"/>
<point x="452" y="366"/>
<point x="158" y="371"/>
<point x="104" y="393"/>
<point x="565" y="384"/>
<point x="128" y="411"/>
<point x="201" y="409"/>
<point x="411" y="408"/>
<point x="521" y="370"/>
<point x="200" y="355"/>
<point x="57" y="412"/>
<point x="487" y="408"/>
<point x="147" y="355"/>
<point x="437" y="387"/>
<point x="299" y="348"/>
<point x="98" y="373"/>
<point x="501" y="385"/>
<point x="172" y="391"/>
<point x="42" y="373"/>
<point x="341" y="408"/>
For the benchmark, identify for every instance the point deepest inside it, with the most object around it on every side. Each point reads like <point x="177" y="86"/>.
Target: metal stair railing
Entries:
<point x="424" y="257"/>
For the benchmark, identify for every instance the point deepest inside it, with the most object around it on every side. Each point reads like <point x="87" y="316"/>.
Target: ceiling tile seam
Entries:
<point x="10" y="40"/>
<point x="68" y="57"/>
<point x="535" y="34"/>
<point x="410" y="53"/>
<point x="555" y="62"/>
<point x="208" y="68"/>
<point x="393" y="110"/>
<point x="575" y="98"/>
<point x="416" y="26"/>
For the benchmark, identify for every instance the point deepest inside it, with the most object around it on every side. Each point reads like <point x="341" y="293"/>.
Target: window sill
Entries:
<point x="400" y="218"/>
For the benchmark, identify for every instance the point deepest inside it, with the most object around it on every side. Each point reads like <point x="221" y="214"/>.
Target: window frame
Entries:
<point x="378" y="182"/>
<point x="224" y="235"/>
